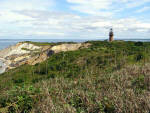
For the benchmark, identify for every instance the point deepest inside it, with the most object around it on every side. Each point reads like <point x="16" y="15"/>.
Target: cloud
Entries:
<point x="9" y="9"/>
<point x="91" y="6"/>
<point x="39" y="18"/>
<point x="58" y="24"/>
<point x="143" y="9"/>
<point x="135" y="3"/>
<point x="104" y="7"/>
<point x="26" y="4"/>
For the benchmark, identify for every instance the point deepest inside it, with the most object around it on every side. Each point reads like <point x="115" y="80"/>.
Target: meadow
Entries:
<point x="104" y="78"/>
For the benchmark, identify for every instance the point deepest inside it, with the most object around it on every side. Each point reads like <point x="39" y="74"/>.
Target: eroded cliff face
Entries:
<point x="27" y="53"/>
<point x="18" y="54"/>
<point x="18" y="49"/>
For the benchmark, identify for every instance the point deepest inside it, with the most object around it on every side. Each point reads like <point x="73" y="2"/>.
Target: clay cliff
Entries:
<point x="28" y="53"/>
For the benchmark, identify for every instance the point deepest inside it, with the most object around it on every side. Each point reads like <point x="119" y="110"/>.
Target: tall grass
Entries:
<point x="105" y="78"/>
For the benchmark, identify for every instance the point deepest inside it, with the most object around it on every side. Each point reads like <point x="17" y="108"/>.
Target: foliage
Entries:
<point x="106" y="77"/>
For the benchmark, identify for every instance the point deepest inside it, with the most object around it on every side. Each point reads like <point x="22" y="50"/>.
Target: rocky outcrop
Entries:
<point x="27" y="53"/>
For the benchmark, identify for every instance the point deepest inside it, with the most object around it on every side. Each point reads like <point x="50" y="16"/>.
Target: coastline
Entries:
<point x="3" y="65"/>
<point x="23" y="55"/>
<point x="32" y="53"/>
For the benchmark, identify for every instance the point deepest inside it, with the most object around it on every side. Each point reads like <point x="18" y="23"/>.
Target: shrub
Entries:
<point x="139" y="44"/>
<point x="18" y="81"/>
<point x="139" y="57"/>
<point x="77" y="102"/>
<point x="51" y="75"/>
<point x="42" y="69"/>
<point x="25" y="103"/>
<point x="36" y="80"/>
<point x="3" y="102"/>
<point x="11" y="109"/>
<point x="139" y="83"/>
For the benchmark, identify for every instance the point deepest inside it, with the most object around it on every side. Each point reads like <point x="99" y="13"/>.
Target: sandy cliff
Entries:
<point x="27" y="53"/>
<point x="20" y="48"/>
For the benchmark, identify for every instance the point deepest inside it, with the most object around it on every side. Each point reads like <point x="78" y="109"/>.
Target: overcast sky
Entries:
<point x="74" y="19"/>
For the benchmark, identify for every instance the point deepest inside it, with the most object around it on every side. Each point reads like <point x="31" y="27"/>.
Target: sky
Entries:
<point x="74" y="19"/>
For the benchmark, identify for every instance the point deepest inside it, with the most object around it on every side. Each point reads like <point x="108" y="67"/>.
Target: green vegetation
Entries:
<point x="48" y="44"/>
<point x="104" y="78"/>
<point x="40" y="43"/>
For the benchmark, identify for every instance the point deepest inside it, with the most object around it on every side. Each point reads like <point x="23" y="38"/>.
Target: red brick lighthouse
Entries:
<point x="111" y="35"/>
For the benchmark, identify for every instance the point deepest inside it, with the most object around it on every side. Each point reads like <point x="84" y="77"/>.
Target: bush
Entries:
<point x="25" y="103"/>
<point x="139" y="44"/>
<point x="36" y="80"/>
<point x="3" y="102"/>
<point x="139" y="57"/>
<point x="18" y="81"/>
<point x="77" y="102"/>
<point x="139" y="83"/>
<point x="42" y="69"/>
<point x="11" y="109"/>
<point x="52" y="75"/>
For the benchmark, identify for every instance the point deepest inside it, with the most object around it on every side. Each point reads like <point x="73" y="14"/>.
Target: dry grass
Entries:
<point x="112" y="93"/>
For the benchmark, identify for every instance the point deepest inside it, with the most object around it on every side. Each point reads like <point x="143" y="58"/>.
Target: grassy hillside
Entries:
<point x="104" y="78"/>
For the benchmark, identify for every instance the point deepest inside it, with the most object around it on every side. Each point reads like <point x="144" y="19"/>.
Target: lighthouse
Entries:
<point x="111" y="35"/>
